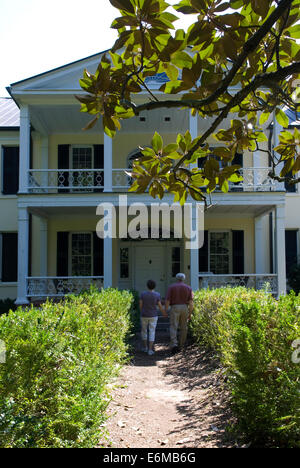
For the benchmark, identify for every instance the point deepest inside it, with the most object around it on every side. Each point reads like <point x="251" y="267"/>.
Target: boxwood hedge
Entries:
<point x="253" y="334"/>
<point x="59" y="360"/>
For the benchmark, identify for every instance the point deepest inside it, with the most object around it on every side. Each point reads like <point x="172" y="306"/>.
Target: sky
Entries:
<point x="39" y="35"/>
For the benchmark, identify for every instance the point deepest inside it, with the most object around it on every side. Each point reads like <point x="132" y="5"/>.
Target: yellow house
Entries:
<point x="54" y="175"/>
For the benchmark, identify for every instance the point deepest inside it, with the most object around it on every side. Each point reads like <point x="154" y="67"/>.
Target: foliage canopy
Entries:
<point x="239" y="60"/>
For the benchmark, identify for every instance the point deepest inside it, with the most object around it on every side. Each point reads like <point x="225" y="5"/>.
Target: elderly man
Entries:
<point x="180" y="298"/>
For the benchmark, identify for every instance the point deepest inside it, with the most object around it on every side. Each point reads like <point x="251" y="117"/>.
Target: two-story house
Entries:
<point x="54" y="175"/>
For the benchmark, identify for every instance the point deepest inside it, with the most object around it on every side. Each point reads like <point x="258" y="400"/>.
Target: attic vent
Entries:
<point x="142" y="119"/>
<point x="167" y="119"/>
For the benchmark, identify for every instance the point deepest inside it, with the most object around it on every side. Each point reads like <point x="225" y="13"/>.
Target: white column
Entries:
<point x="107" y="250"/>
<point x="108" y="155"/>
<point x="43" y="246"/>
<point x="280" y="248"/>
<point x="193" y="124"/>
<point x="256" y="164"/>
<point x="194" y="253"/>
<point x="23" y="256"/>
<point x="44" y="161"/>
<point x="259" y="246"/>
<point x="24" y="149"/>
<point x="276" y="130"/>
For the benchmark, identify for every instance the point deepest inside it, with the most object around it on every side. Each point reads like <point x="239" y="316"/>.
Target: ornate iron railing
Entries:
<point x="256" y="281"/>
<point x="59" y="286"/>
<point x="65" y="180"/>
<point x="254" y="179"/>
<point x="89" y="180"/>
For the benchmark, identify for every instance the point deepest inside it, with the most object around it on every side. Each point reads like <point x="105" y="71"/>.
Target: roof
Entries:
<point x="58" y="68"/>
<point x="9" y="113"/>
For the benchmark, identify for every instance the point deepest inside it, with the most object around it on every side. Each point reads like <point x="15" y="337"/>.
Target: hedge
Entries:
<point x="252" y="334"/>
<point x="59" y="360"/>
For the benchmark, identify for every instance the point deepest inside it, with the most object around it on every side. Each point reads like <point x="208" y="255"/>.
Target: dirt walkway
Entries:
<point x="169" y="401"/>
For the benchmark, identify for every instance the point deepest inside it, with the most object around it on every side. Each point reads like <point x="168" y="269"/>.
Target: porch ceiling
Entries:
<point x="49" y="119"/>
<point x="238" y="210"/>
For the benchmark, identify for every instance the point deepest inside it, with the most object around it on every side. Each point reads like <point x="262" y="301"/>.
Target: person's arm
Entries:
<point x="161" y="308"/>
<point x="167" y="305"/>
<point x="141" y="305"/>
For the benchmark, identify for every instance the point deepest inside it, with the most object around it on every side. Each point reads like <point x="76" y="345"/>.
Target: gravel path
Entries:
<point x="169" y="401"/>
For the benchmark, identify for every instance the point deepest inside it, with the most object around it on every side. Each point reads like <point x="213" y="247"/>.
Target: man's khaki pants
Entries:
<point x="178" y="318"/>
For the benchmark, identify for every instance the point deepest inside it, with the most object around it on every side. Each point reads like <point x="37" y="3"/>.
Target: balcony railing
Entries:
<point x="59" y="286"/>
<point x="255" y="179"/>
<point x="255" y="281"/>
<point x="65" y="180"/>
<point x="90" y="180"/>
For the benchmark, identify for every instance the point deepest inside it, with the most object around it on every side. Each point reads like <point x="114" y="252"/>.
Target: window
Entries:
<point x="175" y="261"/>
<point x="81" y="254"/>
<point x="220" y="253"/>
<point x="10" y="170"/>
<point x="124" y="263"/>
<point x="82" y="158"/>
<point x="9" y="257"/>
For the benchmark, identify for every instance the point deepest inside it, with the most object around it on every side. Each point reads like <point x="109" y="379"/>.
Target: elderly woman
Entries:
<point x="149" y="300"/>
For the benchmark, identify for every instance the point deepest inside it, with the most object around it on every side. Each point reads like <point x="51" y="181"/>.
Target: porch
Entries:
<point x="60" y="253"/>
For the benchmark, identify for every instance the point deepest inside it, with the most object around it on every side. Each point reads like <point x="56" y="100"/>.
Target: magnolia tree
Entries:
<point x="238" y="62"/>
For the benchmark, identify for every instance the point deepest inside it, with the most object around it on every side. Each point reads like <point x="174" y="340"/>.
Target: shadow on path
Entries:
<point x="204" y="416"/>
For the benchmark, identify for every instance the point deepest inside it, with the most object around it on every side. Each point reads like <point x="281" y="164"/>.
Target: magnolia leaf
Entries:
<point x="264" y="117"/>
<point x="157" y="142"/>
<point x="281" y="118"/>
<point x="123" y="5"/>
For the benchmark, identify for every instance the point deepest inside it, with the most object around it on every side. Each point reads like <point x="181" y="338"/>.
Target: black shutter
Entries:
<point x="238" y="159"/>
<point x="10" y="170"/>
<point x="62" y="253"/>
<point x="63" y="163"/>
<point x="9" y="257"/>
<point x="238" y="266"/>
<point x="291" y="249"/>
<point x="98" y="164"/>
<point x="203" y="255"/>
<point x="290" y="188"/>
<point x="98" y="255"/>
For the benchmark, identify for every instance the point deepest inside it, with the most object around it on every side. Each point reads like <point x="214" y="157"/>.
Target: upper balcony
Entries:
<point x="51" y="181"/>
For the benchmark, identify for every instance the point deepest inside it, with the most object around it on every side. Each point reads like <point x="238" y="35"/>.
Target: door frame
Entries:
<point x="130" y="283"/>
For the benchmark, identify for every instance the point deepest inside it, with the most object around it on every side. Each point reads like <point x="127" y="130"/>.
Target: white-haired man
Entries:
<point x="180" y="298"/>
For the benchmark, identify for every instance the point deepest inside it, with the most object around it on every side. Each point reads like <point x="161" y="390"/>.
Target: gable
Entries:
<point x="65" y="78"/>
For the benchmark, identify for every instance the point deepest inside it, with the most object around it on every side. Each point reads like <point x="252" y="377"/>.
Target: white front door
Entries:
<point x="150" y="263"/>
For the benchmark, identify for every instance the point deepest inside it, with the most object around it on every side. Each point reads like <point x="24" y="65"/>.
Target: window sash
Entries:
<point x="81" y="262"/>
<point x="220" y="260"/>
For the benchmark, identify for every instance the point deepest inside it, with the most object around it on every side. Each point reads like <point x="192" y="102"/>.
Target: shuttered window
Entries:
<point x="10" y="170"/>
<point x="9" y="254"/>
<point x="216" y="253"/>
<point x="63" y="255"/>
<point x="80" y="157"/>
